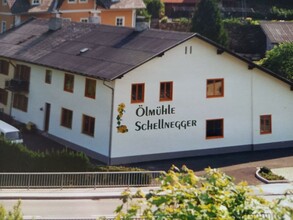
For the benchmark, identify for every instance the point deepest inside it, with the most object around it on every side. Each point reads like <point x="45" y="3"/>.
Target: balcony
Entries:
<point x="16" y="85"/>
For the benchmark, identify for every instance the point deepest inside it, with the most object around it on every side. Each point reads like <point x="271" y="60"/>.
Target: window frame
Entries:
<point x="71" y="1"/>
<point x="48" y="76"/>
<point x="3" y="24"/>
<point x="136" y="100"/>
<point x="214" y="95"/>
<point x="117" y="21"/>
<point x="36" y="3"/>
<point x="66" y="77"/>
<point x="83" y="1"/>
<point x="66" y="118"/>
<point x="3" y="96"/>
<point x="4" y="67"/>
<point x="262" y="126"/>
<point x="86" y="93"/>
<point x="20" y="102"/>
<point x="165" y="97"/>
<point x="86" y="129"/>
<point x="84" y="20"/>
<point x="222" y="129"/>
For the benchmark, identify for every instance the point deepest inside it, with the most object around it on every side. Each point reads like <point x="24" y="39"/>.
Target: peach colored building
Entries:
<point x="109" y="12"/>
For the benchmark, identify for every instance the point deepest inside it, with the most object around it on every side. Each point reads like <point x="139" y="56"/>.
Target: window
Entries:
<point x="88" y="125"/>
<point x="66" y="117"/>
<point x="22" y="72"/>
<point x="48" y="77"/>
<point x="215" y="88"/>
<point x="137" y="93"/>
<point x="68" y="82"/>
<point x="36" y="2"/>
<point x="71" y="1"/>
<point x="166" y="91"/>
<point x="3" y="96"/>
<point x="90" y="88"/>
<point x="119" y="21"/>
<point x="265" y="124"/>
<point x="3" y="26"/>
<point x="83" y="1"/>
<point x="20" y="102"/>
<point x="4" y="2"/>
<point x="84" y="20"/>
<point x="215" y="128"/>
<point x="4" y="67"/>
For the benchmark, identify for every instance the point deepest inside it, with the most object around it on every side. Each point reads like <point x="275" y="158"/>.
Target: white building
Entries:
<point x="125" y="96"/>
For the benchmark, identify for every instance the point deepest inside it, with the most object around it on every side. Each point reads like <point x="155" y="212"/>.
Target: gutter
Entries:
<point x="111" y="122"/>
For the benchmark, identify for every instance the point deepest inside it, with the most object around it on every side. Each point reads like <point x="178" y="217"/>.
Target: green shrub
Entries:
<point x="281" y="13"/>
<point x="17" y="158"/>
<point x="183" y="195"/>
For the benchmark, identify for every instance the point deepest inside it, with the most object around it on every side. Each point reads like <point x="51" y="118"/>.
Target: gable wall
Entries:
<point x="189" y="74"/>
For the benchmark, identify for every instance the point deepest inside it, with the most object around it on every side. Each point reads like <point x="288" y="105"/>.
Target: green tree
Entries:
<point x="155" y="8"/>
<point x="207" y="21"/>
<point x="280" y="60"/>
<point x="11" y="215"/>
<point x="184" y="196"/>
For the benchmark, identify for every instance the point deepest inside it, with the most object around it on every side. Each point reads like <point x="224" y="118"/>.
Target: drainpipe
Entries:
<point x="111" y="122"/>
<point x="252" y="112"/>
<point x="12" y="93"/>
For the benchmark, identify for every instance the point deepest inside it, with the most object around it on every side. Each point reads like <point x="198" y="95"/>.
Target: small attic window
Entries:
<point x="36" y="2"/>
<point x="83" y="50"/>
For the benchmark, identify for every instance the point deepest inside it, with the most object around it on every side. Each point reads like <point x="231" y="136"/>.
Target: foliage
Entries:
<point x="183" y="195"/>
<point x="210" y="26"/>
<point x="280" y="60"/>
<point x="17" y="158"/>
<point x="281" y="13"/>
<point x="11" y="215"/>
<point x="184" y="21"/>
<point x="155" y="8"/>
<point x="269" y="175"/>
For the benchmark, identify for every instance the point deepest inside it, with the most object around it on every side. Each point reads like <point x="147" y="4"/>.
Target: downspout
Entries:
<point x="252" y="113"/>
<point x="12" y="93"/>
<point x="111" y="122"/>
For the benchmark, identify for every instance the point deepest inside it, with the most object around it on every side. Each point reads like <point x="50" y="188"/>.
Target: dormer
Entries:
<point x="36" y="2"/>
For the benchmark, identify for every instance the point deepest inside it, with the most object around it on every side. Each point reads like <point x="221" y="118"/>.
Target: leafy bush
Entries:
<point x="17" y="158"/>
<point x="280" y="60"/>
<point x="11" y="215"/>
<point x="183" y="195"/>
<point x="281" y="13"/>
<point x="155" y="8"/>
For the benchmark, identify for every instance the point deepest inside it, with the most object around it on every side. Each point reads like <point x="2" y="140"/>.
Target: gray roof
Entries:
<point x="109" y="51"/>
<point x="112" y="51"/>
<point x="278" y="32"/>
<point x="24" y="6"/>
<point x="121" y="4"/>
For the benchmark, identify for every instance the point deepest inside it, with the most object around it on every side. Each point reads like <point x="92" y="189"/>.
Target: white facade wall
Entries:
<point x="41" y="93"/>
<point x="240" y="107"/>
<point x="272" y="97"/>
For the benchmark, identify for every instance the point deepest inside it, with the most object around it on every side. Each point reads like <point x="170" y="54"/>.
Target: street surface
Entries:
<point x="81" y="208"/>
<point x="65" y="209"/>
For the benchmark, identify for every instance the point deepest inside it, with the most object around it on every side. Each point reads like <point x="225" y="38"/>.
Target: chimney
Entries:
<point x="141" y="23"/>
<point x="55" y="22"/>
<point x="94" y="18"/>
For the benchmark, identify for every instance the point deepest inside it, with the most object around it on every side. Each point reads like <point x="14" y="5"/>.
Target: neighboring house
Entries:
<point x="125" y="96"/>
<point x="109" y="12"/>
<point x="277" y="32"/>
<point x="180" y="8"/>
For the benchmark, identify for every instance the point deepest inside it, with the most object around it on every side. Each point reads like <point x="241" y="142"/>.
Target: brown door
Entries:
<point x="47" y="116"/>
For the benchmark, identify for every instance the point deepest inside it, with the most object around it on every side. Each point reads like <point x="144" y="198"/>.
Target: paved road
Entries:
<point x="65" y="209"/>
